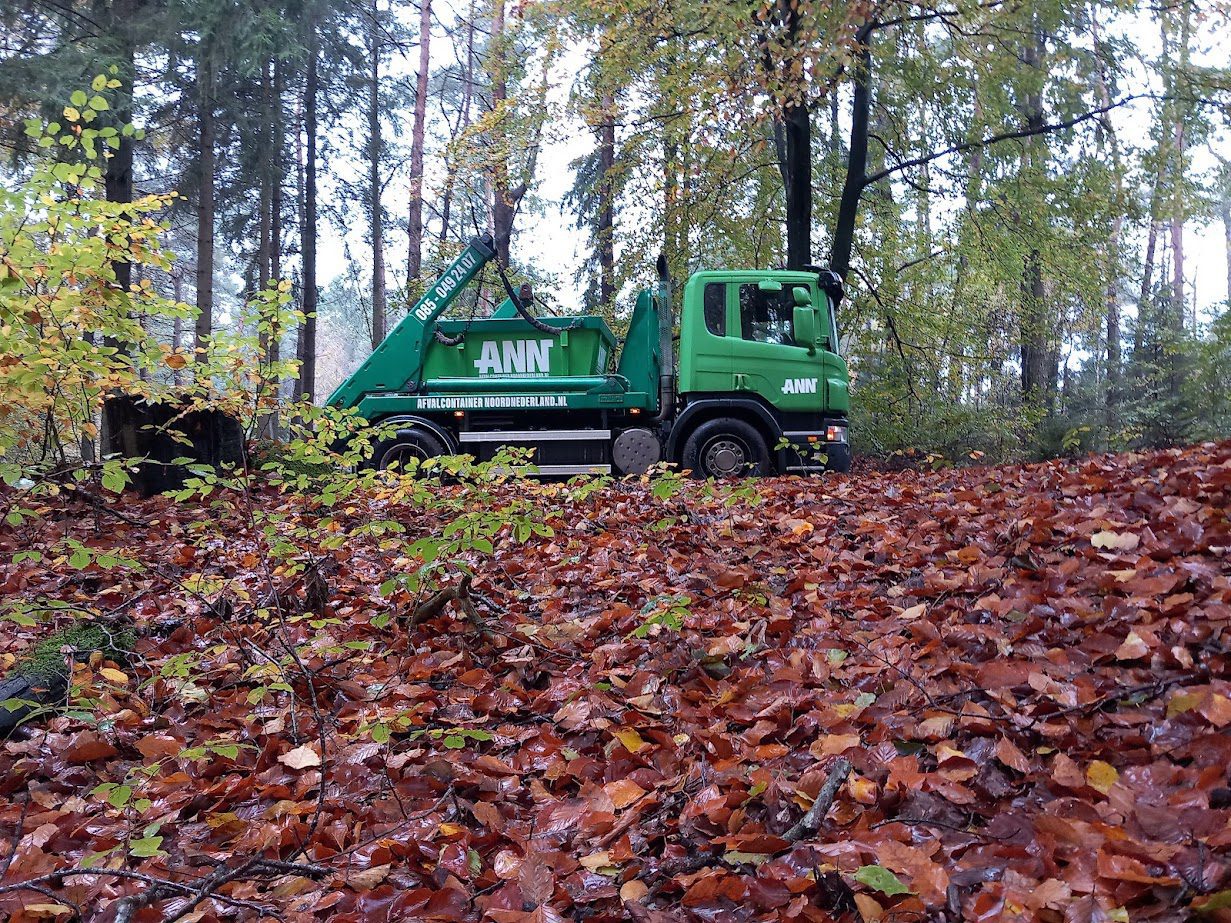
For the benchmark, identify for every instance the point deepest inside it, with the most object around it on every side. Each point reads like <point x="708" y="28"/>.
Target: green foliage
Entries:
<point x="49" y="658"/>
<point x="662" y="613"/>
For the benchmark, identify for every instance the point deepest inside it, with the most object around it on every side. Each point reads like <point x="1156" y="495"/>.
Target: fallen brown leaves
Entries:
<point x="1026" y="668"/>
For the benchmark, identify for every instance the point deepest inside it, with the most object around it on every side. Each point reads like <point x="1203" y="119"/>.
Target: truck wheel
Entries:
<point x="726" y="448"/>
<point x="416" y="443"/>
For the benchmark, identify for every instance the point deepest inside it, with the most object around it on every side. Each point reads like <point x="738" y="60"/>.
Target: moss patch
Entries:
<point x="46" y="659"/>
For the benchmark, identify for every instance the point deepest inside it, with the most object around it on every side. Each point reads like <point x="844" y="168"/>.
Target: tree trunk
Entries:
<point x="414" y="264"/>
<point x="307" y="354"/>
<point x="118" y="180"/>
<point x="1224" y="212"/>
<point x="1038" y="358"/>
<point x="463" y="121"/>
<point x="606" y="209"/>
<point x="374" y="206"/>
<point x="205" y="203"/>
<point x="177" y="328"/>
<point x="1112" y="300"/>
<point x="265" y="205"/>
<point x="505" y="196"/>
<point x="793" y="137"/>
<point x="856" y="164"/>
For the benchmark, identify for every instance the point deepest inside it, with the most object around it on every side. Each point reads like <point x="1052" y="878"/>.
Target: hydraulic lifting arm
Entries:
<point x="397" y="363"/>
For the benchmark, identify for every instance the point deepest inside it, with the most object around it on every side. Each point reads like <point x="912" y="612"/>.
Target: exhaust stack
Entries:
<point x="666" y="348"/>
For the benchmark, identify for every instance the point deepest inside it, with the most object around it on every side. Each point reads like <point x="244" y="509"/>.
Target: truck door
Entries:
<point x="705" y="355"/>
<point x="766" y="359"/>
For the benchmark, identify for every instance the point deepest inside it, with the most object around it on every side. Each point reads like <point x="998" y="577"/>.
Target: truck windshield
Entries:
<point x="767" y="316"/>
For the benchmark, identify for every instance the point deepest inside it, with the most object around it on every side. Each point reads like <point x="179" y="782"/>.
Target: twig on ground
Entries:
<point x="811" y="822"/>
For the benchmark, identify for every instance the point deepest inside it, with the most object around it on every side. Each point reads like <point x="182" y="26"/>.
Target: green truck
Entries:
<point x="759" y="386"/>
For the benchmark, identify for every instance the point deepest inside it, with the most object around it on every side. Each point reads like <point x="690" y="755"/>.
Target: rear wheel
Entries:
<point x="726" y="448"/>
<point x="407" y="449"/>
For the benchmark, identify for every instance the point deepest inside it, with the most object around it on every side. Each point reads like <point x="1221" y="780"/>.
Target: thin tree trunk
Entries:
<point x="374" y="206"/>
<point x="177" y="328"/>
<point x="505" y="197"/>
<point x="1224" y="212"/>
<point x="793" y="136"/>
<point x="205" y="204"/>
<point x="264" y="204"/>
<point x="856" y="163"/>
<point x="1145" y="300"/>
<point x="1039" y="360"/>
<point x="1112" y="300"/>
<point x="118" y="180"/>
<point x="606" y="210"/>
<point x="463" y="121"/>
<point x="307" y="375"/>
<point x="414" y="264"/>
<point x="502" y="206"/>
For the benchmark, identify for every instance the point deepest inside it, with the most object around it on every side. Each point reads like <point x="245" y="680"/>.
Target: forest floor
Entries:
<point x="968" y="694"/>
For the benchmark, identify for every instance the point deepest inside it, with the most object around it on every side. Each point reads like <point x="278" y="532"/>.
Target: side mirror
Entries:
<point x="769" y="285"/>
<point x="802" y="296"/>
<point x="805" y="326"/>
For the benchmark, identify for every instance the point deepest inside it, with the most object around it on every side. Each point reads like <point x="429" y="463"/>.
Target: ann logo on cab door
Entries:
<point x="799" y="386"/>
<point x="514" y="357"/>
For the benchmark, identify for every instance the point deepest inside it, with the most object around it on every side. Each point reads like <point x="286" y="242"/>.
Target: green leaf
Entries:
<point x="115" y="481"/>
<point x="99" y="83"/>
<point x="455" y="741"/>
<point x="381" y="733"/>
<point x="91" y="859"/>
<point x="98" y="104"/>
<point x="146" y="848"/>
<point x="1219" y="900"/>
<point x="78" y="98"/>
<point x="119" y="796"/>
<point x="79" y="559"/>
<point x="881" y="879"/>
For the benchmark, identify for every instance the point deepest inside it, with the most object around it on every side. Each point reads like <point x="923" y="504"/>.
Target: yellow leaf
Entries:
<point x="596" y="861"/>
<point x="1182" y="702"/>
<point x="49" y="910"/>
<point x="72" y="114"/>
<point x="113" y="675"/>
<point x="1101" y="776"/>
<point x="450" y="829"/>
<point x="630" y="739"/>
<point x="1116" y="541"/>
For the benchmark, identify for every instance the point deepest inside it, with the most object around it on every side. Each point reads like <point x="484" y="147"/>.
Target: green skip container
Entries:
<point x="501" y="354"/>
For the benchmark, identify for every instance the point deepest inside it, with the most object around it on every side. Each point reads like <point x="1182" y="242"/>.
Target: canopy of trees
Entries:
<point x="1008" y="189"/>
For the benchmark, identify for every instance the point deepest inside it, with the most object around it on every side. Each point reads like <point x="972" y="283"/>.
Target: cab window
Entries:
<point x="716" y="309"/>
<point x="766" y="316"/>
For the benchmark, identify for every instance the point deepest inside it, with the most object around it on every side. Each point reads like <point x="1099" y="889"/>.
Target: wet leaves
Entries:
<point x="1026" y="668"/>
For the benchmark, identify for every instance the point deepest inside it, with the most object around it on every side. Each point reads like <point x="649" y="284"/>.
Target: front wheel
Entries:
<point x="408" y="449"/>
<point x="726" y="448"/>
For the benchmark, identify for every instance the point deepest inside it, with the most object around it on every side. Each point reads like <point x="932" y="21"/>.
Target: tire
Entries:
<point x="420" y="444"/>
<point x="725" y="448"/>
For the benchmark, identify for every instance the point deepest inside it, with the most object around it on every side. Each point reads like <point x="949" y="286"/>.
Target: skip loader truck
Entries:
<point x="757" y="385"/>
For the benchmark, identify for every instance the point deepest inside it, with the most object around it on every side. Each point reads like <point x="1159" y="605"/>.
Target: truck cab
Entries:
<point x="755" y="386"/>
